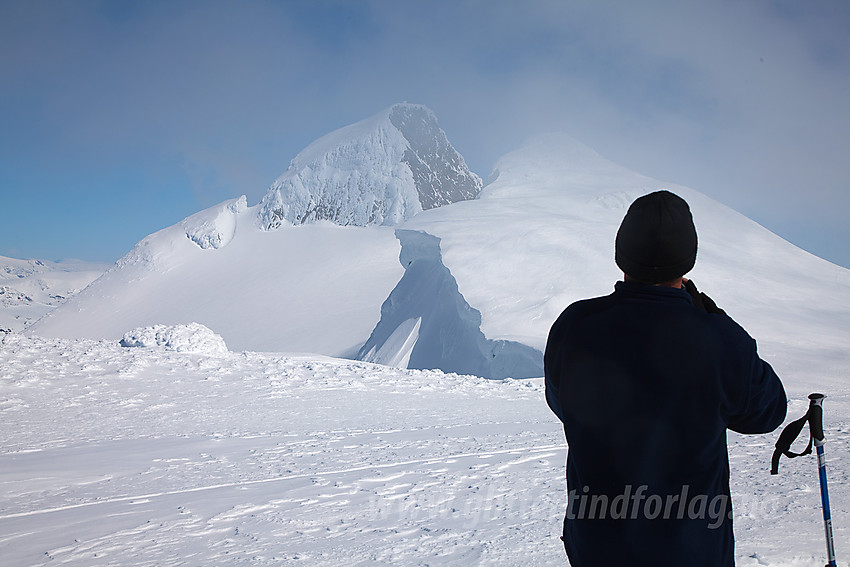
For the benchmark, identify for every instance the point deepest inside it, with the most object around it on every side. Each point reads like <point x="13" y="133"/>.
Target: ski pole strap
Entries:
<point x="786" y="438"/>
<point x="814" y="417"/>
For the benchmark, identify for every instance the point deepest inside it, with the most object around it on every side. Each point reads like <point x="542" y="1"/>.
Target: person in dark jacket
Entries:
<point x="646" y="382"/>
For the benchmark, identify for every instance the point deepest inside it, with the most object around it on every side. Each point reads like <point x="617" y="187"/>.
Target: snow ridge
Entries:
<point x="380" y="171"/>
<point x="215" y="227"/>
<point x="439" y="172"/>
<point x="426" y="323"/>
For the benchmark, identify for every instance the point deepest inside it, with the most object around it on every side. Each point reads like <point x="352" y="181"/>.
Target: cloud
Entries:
<point x="743" y="101"/>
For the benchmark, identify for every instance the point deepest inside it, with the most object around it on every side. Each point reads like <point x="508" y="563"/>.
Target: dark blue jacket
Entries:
<point x="646" y="385"/>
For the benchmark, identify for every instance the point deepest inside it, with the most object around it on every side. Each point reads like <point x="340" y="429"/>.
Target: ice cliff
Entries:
<point x="426" y="322"/>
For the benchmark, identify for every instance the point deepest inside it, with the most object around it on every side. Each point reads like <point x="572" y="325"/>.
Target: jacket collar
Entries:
<point x="637" y="290"/>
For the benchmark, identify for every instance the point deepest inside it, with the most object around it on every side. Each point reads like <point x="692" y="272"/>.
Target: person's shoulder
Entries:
<point x="579" y="309"/>
<point x="587" y="305"/>
<point x="730" y="332"/>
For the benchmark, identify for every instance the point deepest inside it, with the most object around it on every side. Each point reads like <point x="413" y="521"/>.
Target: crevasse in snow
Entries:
<point x="382" y="170"/>
<point x="427" y="323"/>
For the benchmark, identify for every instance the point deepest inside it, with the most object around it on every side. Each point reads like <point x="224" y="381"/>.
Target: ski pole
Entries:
<point x="816" y="427"/>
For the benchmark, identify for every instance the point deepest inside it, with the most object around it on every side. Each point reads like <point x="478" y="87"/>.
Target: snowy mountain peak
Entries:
<point x="439" y="172"/>
<point x="558" y="159"/>
<point x="379" y="171"/>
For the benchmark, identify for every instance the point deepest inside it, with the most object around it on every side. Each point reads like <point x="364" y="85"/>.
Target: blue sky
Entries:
<point x="120" y="118"/>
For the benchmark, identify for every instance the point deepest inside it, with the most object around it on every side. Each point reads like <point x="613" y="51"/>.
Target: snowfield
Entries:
<point x="147" y="456"/>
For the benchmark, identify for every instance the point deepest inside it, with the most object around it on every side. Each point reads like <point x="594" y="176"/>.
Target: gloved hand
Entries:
<point x="701" y="300"/>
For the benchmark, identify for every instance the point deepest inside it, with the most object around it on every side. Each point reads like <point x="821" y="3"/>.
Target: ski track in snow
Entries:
<point x="140" y="456"/>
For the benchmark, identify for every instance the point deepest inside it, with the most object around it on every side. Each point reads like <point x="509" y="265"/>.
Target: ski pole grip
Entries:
<point x="816" y="418"/>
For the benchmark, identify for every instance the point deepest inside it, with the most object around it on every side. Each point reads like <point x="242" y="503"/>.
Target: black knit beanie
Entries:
<point x="657" y="240"/>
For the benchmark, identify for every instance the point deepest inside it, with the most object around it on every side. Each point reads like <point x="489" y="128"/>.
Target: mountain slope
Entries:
<point x="315" y="288"/>
<point x="476" y="291"/>
<point x="542" y="236"/>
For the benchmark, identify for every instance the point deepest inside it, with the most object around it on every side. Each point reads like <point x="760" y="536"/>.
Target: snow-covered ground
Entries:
<point x="149" y="456"/>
